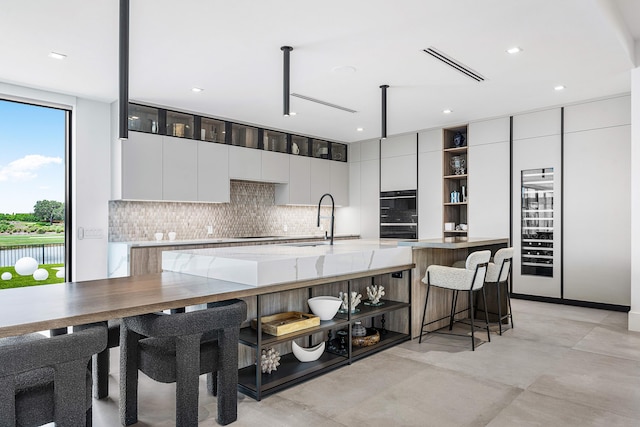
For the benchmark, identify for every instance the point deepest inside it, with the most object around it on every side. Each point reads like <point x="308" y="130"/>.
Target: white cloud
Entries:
<point x="26" y="167"/>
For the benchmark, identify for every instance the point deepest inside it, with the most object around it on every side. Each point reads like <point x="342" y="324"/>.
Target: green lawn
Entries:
<point x="18" y="281"/>
<point x="30" y="239"/>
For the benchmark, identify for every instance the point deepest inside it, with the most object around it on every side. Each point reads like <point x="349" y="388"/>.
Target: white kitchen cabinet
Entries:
<point x="213" y="172"/>
<point x="274" y="167"/>
<point x="245" y="163"/>
<point x="179" y="169"/>
<point x="488" y="195"/>
<point x="320" y="182"/>
<point x="597" y="202"/>
<point x="430" y="184"/>
<point x="340" y="182"/>
<point x="296" y="192"/>
<point x="537" y="146"/>
<point x="141" y="167"/>
<point x="399" y="163"/>
<point x="370" y="199"/>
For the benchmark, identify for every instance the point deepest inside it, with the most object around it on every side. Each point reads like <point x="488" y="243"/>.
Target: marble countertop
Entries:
<point x="167" y="242"/>
<point x="260" y="265"/>
<point x="452" y="242"/>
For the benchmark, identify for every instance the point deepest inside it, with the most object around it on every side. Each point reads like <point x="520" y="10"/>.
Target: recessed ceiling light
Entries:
<point x="196" y="89"/>
<point x="360" y="129"/>
<point x="559" y="87"/>
<point x="447" y="111"/>
<point x="292" y="113"/>
<point x="56" y="55"/>
<point x="514" y="50"/>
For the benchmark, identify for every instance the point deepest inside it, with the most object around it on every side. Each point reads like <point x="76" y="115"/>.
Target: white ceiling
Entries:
<point x="231" y="49"/>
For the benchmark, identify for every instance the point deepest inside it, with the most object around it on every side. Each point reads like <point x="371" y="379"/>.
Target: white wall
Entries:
<point x="634" y="314"/>
<point x="90" y="134"/>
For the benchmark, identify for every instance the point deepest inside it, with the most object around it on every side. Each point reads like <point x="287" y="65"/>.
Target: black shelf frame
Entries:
<point x="252" y="382"/>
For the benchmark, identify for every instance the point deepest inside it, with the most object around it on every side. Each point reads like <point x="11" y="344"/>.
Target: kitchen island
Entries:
<point x="33" y="309"/>
<point x="285" y="276"/>
<point x="442" y="251"/>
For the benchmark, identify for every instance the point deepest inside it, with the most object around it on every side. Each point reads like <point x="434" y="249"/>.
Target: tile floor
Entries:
<point x="559" y="366"/>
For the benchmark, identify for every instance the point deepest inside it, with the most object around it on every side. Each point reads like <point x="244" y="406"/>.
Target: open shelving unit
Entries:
<point x="455" y="180"/>
<point x="392" y="320"/>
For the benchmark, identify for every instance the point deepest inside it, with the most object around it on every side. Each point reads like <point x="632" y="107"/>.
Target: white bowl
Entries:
<point x="307" y="354"/>
<point x="324" y="307"/>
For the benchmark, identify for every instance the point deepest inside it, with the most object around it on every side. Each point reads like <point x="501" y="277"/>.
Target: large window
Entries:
<point x="33" y="194"/>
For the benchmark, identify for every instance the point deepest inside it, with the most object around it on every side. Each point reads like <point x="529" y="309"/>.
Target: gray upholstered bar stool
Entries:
<point x="469" y="279"/>
<point x="498" y="273"/>
<point x="47" y="379"/>
<point x="179" y="348"/>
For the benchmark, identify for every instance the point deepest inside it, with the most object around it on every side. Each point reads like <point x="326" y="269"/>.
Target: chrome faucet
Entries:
<point x="333" y="209"/>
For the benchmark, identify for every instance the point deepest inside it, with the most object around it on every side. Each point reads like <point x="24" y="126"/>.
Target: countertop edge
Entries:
<point x="441" y="244"/>
<point x="223" y="240"/>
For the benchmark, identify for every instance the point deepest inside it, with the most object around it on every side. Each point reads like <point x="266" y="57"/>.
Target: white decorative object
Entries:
<point x="375" y="292"/>
<point x="307" y="354"/>
<point x="270" y="360"/>
<point x="6" y="275"/>
<point x="325" y="307"/>
<point x="40" y="274"/>
<point x="158" y="236"/>
<point x="355" y="300"/>
<point x="172" y="235"/>
<point x="60" y="272"/>
<point x="26" y="266"/>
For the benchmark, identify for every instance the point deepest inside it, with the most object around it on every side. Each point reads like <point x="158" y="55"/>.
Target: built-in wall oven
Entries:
<point x="398" y="215"/>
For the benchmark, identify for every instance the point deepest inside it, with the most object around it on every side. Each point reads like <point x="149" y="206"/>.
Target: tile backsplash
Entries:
<point x="252" y="212"/>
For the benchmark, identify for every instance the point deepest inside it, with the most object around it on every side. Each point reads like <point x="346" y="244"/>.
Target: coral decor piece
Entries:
<point x="375" y="292"/>
<point x="270" y="360"/>
<point x="355" y="300"/>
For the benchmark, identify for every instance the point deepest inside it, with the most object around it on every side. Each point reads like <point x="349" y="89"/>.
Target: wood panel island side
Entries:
<point x="442" y="251"/>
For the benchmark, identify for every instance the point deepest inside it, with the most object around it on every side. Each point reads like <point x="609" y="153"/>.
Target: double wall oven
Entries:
<point x="398" y="215"/>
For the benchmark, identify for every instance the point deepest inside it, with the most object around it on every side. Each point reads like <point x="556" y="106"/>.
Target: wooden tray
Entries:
<point x="287" y="322"/>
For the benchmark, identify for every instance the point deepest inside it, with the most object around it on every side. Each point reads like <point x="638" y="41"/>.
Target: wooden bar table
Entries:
<point x="39" y="308"/>
<point x="442" y="251"/>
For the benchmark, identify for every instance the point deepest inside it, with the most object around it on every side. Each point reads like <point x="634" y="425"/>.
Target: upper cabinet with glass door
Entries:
<point x="144" y="119"/>
<point x="244" y="136"/>
<point x="275" y="141"/>
<point x="180" y="125"/>
<point x="212" y="130"/>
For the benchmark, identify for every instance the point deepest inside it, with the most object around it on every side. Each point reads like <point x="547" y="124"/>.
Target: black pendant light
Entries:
<point x="123" y="100"/>
<point x="384" y="110"/>
<point x="285" y="79"/>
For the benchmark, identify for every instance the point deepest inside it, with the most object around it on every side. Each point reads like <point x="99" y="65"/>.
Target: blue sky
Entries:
<point x="32" y="158"/>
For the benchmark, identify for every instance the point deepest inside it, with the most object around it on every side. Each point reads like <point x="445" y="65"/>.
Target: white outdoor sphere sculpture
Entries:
<point x="60" y="273"/>
<point x="6" y="275"/>
<point x="26" y="266"/>
<point x="41" y="274"/>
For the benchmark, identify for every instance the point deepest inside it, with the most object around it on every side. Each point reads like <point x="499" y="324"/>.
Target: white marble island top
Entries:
<point x="271" y="264"/>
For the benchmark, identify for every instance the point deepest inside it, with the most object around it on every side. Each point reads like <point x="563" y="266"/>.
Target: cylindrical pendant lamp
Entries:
<point x="384" y="111"/>
<point x="285" y="79"/>
<point x="123" y="101"/>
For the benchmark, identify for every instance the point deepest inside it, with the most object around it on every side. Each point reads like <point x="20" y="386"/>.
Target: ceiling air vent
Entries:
<point x="319" y="101"/>
<point x="453" y="64"/>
